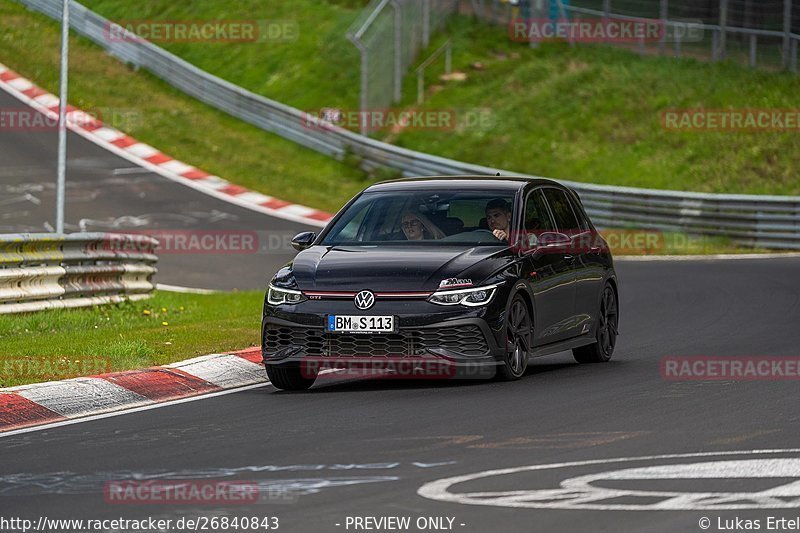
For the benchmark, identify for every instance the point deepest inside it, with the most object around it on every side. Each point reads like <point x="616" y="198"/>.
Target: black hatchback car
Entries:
<point x="474" y="274"/>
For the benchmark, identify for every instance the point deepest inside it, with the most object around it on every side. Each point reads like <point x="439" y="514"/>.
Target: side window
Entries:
<point x="537" y="217"/>
<point x="583" y="223"/>
<point x="562" y="211"/>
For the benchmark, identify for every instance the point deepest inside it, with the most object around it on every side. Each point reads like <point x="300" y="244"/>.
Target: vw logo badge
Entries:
<point x="365" y="300"/>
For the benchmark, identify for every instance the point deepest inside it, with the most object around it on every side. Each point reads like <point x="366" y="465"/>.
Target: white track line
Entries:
<point x="185" y="290"/>
<point x="713" y="257"/>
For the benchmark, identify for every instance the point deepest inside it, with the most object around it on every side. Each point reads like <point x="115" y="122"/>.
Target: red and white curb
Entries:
<point x="58" y="401"/>
<point x="152" y="159"/>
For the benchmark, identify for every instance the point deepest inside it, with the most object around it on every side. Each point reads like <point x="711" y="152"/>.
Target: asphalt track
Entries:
<point x="365" y="447"/>
<point x="108" y="193"/>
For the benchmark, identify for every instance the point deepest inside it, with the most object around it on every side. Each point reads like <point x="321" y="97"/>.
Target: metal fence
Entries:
<point x="752" y="220"/>
<point x="754" y="32"/>
<point x="389" y="35"/>
<point x="48" y="271"/>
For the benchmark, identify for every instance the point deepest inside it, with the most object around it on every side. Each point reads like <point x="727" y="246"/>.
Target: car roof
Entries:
<point x="511" y="183"/>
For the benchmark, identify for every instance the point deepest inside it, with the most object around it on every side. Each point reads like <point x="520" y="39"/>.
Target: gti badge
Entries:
<point x="364" y="300"/>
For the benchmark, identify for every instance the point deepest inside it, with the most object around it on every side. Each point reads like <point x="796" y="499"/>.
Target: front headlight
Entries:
<point x="276" y="296"/>
<point x="472" y="297"/>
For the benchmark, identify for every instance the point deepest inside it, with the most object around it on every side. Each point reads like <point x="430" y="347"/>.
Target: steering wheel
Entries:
<point x="489" y="232"/>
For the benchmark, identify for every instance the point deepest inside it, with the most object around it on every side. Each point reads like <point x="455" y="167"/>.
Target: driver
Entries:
<point x="498" y="217"/>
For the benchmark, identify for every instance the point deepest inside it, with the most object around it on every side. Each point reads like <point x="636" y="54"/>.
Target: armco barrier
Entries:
<point x="751" y="220"/>
<point x="48" y="271"/>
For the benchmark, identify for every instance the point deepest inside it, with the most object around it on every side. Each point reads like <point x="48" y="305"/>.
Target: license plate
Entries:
<point x="360" y="324"/>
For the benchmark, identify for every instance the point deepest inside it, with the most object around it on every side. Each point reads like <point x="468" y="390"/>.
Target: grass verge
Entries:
<point x="591" y="113"/>
<point x="168" y="327"/>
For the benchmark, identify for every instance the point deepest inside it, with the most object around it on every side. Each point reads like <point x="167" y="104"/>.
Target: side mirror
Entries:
<point x="553" y="239"/>
<point x="304" y="240"/>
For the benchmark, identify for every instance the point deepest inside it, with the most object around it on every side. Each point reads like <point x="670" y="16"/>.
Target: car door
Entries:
<point x="570" y="323"/>
<point x="590" y="268"/>
<point x="548" y="272"/>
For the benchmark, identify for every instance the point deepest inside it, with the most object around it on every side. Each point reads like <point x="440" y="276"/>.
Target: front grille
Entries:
<point x="467" y="340"/>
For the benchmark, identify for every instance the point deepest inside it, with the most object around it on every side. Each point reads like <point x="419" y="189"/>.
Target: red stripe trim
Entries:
<point x="275" y="204"/>
<point x="251" y="354"/>
<point x="124" y="141"/>
<point x="91" y="125"/>
<point x="158" y="159"/>
<point x="34" y="91"/>
<point x="9" y="75"/>
<point x="195" y="174"/>
<point x="161" y="384"/>
<point x="19" y="412"/>
<point x="334" y="294"/>
<point x="403" y="294"/>
<point x="320" y="215"/>
<point x="331" y="294"/>
<point x="233" y="190"/>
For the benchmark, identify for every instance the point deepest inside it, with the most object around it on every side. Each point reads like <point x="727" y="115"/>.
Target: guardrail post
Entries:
<point x="753" y="50"/>
<point x="664" y="14"/>
<point x="606" y="10"/>
<point x="426" y="23"/>
<point x="794" y="56"/>
<point x="714" y="44"/>
<point x="723" y="29"/>
<point x="398" y="51"/>
<point x="364" y="88"/>
<point x="787" y="31"/>
<point x="562" y="13"/>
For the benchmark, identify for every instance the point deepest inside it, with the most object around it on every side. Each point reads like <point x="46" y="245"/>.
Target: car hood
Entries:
<point x="394" y="268"/>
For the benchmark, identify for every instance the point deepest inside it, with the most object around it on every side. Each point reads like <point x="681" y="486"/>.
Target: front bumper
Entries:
<point x="453" y="336"/>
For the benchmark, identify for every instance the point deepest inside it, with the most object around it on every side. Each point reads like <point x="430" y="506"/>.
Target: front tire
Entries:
<point x="606" y="332"/>
<point x="519" y="336"/>
<point x="290" y="378"/>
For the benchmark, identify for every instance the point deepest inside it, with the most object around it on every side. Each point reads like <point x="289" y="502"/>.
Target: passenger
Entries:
<point x="498" y="217"/>
<point x="417" y="227"/>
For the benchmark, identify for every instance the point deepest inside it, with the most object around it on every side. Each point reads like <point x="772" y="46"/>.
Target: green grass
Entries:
<point x="593" y="114"/>
<point x="589" y="113"/>
<point x="157" y="114"/>
<point x="168" y="327"/>
<point x="319" y="69"/>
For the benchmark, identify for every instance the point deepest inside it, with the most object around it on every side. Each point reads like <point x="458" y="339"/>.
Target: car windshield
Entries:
<point x="424" y="217"/>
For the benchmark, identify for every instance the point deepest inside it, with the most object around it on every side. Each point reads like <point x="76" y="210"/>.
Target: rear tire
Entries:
<point x="519" y="337"/>
<point x="606" y="332"/>
<point x="290" y="378"/>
